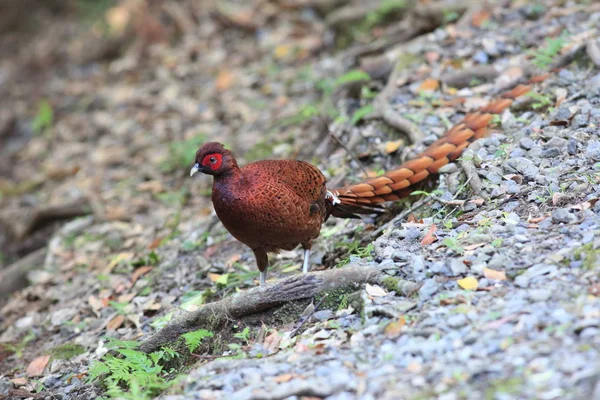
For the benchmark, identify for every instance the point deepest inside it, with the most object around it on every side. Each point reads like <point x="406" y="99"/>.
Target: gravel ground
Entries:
<point x="530" y="330"/>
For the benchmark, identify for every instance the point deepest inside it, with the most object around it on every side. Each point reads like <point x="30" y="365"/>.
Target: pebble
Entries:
<point x="562" y="215"/>
<point x="457" y="266"/>
<point x="526" y="143"/>
<point x="429" y="288"/>
<point x="592" y="150"/>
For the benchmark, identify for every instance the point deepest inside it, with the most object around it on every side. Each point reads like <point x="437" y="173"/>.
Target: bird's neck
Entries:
<point x="229" y="177"/>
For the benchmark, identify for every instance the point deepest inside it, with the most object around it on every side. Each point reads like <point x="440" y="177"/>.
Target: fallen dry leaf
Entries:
<point x="125" y="298"/>
<point x="19" y="381"/>
<point x="538" y="219"/>
<point x="224" y="80"/>
<point x="393" y="146"/>
<point x="429" y="236"/>
<point x="429" y="85"/>
<point x="479" y="17"/>
<point x="394" y="328"/>
<point x="155" y="243"/>
<point x="474" y="246"/>
<point x="37" y="366"/>
<point x="121" y="257"/>
<point x="514" y="177"/>
<point x="96" y="304"/>
<point x="468" y="283"/>
<point x="234" y="258"/>
<point x="139" y="272"/>
<point x="586" y="205"/>
<point x="115" y="323"/>
<point x="478" y="201"/>
<point x="375" y="290"/>
<point x="272" y="342"/>
<point x="494" y="274"/>
<point x="283" y="378"/>
<point x="557" y="197"/>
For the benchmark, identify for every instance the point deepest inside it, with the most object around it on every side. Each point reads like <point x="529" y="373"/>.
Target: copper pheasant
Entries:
<point x="277" y="205"/>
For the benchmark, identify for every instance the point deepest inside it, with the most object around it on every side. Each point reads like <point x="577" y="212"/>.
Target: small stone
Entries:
<point x="518" y="153"/>
<point x="457" y="266"/>
<point x="323" y="315"/>
<point x="550" y="153"/>
<point x="481" y="57"/>
<point x="522" y="281"/>
<point x="429" y="288"/>
<point x="572" y="363"/>
<point x="562" y="316"/>
<point x="526" y="143"/>
<point x="556" y="142"/>
<point x="63" y="315"/>
<point x="562" y="113"/>
<point x="562" y="215"/>
<point x="580" y="120"/>
<point x="457" y="321"/>
<point x="572" y="147"/>
<point x="407" y="288"/>
<point x="593" y="150"/>
<point x="539" y="295"/>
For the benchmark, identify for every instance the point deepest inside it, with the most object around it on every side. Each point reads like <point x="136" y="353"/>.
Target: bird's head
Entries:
<point x="213" y="159"/>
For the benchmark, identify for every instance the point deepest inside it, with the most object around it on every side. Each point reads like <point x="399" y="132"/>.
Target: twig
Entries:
<point x="400" y="217"/>
<point x="472" y="177"/>
<point x="459" y="203"/>
<point x="350" y="153"/>
<point x="307" y="317"/>
<point x="396" y="121"/>
<point x="593" y="51"/>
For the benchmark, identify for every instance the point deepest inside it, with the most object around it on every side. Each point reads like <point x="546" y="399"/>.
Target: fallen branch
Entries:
<point x="14" y="277"/>
<point x="48" y="214"/>
<point x="256" y="301"/>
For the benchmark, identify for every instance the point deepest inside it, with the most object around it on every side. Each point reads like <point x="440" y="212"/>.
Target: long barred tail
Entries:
<point x="365" y="197"/>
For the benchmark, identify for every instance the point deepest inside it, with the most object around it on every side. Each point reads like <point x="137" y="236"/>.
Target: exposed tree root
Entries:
<point x="259" y="301"/>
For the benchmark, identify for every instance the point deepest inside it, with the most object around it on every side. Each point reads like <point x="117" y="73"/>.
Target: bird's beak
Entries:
<point x="194" y="169"/>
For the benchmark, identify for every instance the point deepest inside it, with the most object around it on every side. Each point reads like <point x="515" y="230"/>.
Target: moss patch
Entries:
<point x="67" y="351"/>
<point x="390" y="284"/>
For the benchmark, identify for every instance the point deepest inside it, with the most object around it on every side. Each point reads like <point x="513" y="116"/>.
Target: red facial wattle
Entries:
<point x="213" y="161"/>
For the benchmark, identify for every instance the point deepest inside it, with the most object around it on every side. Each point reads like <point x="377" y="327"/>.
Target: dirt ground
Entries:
<point x="104" y="238"/>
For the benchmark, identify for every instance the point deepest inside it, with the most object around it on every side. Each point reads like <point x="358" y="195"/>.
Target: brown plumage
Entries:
<point x="279" y="204"/>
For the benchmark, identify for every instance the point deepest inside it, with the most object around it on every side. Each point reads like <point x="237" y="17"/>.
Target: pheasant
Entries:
<point x="274" y="205"/>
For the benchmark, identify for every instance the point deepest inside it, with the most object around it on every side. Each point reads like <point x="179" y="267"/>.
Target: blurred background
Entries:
<point x="103" y="102"/>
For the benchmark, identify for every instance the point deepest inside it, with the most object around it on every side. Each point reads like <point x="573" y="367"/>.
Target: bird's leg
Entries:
<point x="263" y="277"/>
<point x="262" y="261"/>
<point x="305" y="263"/>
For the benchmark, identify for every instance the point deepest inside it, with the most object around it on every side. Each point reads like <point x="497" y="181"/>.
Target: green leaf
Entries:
<point x="112" y="343"/>
<point x="355" y="75"/>
<point x="453" y="245"/>
<point x="194" y="339"/>
<point x="244" y="335"/>
<point x="96" y="369"/>
<point x="44" y="117"/>
<point x="160" y="322"/>
<point x="361" y="113"/>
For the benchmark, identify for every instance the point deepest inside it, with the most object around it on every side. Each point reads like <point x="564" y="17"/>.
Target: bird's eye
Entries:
<point x="213" y="160"/>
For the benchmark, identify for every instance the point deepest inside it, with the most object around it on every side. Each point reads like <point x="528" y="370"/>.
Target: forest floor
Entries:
<point x="104" y="238"/>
